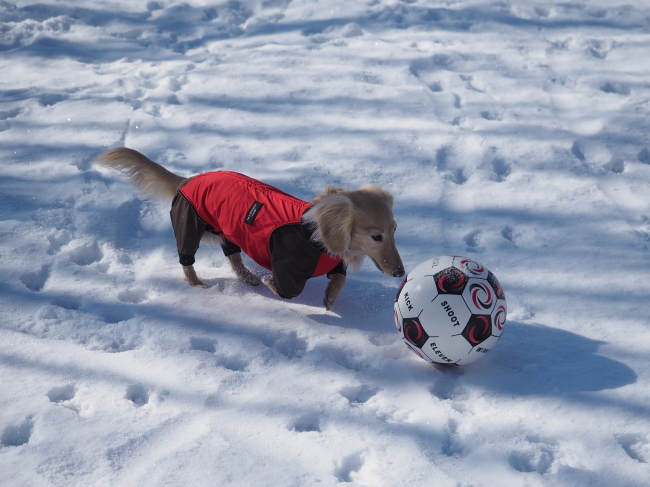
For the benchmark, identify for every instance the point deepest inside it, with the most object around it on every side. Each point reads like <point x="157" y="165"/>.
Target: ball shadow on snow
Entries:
<point x="533" y="359"/>
<point x="530" y="359"/>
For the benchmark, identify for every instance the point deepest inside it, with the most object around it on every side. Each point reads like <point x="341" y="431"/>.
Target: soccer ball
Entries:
<point x="450" y="310"/>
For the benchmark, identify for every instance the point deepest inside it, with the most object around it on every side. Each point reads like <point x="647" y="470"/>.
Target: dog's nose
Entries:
<point x="398" y="271"/>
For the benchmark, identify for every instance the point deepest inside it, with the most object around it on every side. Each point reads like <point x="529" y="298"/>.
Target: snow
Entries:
<point x="515" y="133"/>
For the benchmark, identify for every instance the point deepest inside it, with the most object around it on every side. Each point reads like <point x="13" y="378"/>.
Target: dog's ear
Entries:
<point x="333" y="220"/>
<point x="328" y="191"/>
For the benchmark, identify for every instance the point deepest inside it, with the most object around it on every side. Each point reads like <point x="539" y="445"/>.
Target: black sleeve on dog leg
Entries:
<point x="186" y="259"/>
<point x="294" y="259"/>
<point x="188" y="229"/>
<point x="341" y="268"/>
<point x="229" y="248"/>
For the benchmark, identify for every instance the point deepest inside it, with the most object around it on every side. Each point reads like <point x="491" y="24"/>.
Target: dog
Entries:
<point x="294" y="239"/>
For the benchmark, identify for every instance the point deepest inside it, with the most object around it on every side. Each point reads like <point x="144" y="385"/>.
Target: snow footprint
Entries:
<point x="290" y="345"/>
<point x="233" y="362"/>
<point x="360" y="394"/>
<point x="57" y="241"/>
<point x="599" y="49"/>
<point x="67" y="302"/>
<point x="51" y="99"/>
<point x="137" y="394"/>
<point x="35" y="280"/>
<point x="5" y="124"/>
<point x="368" y="78"/>
<point x="473" y="241"/>
<point x="451" y="445"/>
<point x="636" y="446"/>
<point x="491" y="115"/>
<point x="443" y="156"/>
<point x="306" y="423"/>
<point x="62" y="395"/>
<point x="443" y="159"/>
<point x="593" y="153"/>
<point x="86" y="254"/>
<point x="509" y="234"/>
<point x="644" y="156"/>
<point x="115" y="338"/>
<point x="457" y="176"/>
<point x="203" y="344"/>
<point x="501" y="169"/>
<point x="535" y="457"/>
<point x="174" y="85"/>
<point x="615" y="87"/>
<point x="115" y="314"/>
<point x="348" y="466"/>
<point x="17" y="435"/>
<point x="446" y="389"/>
<point x="133" y="296"/>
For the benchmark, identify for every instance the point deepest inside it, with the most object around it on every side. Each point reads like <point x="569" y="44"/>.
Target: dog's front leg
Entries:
<point x="334" y="288"/>
<point x="243" y="274"/>
<point x="191" y="277"/>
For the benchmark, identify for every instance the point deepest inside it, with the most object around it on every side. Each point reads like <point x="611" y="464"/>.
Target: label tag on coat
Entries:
<point x="252" y="213"/>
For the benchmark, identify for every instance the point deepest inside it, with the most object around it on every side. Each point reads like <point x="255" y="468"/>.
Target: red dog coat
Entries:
<point x="264" y="222"/>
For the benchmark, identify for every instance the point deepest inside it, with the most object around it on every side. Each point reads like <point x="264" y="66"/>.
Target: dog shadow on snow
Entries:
<point x="364" y="305"/>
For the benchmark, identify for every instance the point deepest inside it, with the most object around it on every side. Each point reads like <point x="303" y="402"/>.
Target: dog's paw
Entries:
<point x="270" y="283"/>
<point x="334" y="288"/>
<point x="244" y="275"/>
<point x="330" y="297"/>
<point x="197" y="283"/>
<point x="328" y="303"/>
<point x="192" y="278"/>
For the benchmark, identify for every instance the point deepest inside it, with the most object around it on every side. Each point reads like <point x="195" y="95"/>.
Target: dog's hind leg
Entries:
<point x="243" y="274"/>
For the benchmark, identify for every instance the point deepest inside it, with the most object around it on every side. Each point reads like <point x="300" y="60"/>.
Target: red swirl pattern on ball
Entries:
<point x="500" y="317"/>
<point x="472" y="266"/>
<point x="446" y="284"/>
<point x="481" y="295"/>
<point x="486" y="328"/>
<point x="413" y="332"/>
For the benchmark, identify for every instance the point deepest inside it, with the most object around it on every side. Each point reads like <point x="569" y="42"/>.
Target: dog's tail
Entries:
<point x="150" y="178"/>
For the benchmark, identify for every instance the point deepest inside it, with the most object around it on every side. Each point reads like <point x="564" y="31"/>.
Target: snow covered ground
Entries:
<point x="514" y="132"/>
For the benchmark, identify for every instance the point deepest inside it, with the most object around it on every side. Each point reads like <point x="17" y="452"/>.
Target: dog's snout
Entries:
<point x="398" y="271"/>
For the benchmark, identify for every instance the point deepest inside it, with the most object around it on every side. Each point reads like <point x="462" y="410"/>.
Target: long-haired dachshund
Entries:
<point x="294" y="239"/>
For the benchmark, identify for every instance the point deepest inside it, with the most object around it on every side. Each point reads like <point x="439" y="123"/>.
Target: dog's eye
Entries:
<point x="378" y="237"/>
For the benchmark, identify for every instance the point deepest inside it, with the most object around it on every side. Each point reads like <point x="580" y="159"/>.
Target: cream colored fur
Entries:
<point x="150" y="178"/>
<point x="349" y="224"/>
